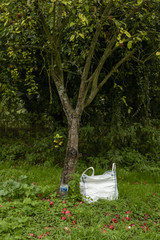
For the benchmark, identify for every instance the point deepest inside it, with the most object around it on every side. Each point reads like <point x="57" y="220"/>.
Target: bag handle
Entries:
<point x="113" y="167"/>
<point x="88" y="169"/>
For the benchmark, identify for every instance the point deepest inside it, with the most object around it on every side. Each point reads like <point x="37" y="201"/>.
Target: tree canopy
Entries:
<point x="78" y="46"/>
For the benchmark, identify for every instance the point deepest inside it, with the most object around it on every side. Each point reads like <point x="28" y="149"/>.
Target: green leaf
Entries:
<point x="118" y="86"/>
<point x="139" y="2"/>
<point x="81" y="35"/>
<point x="51" y="9"/>
<point x="27" y="201"/>
<point x="23" y="22"/>
<point x="158" y="54"/>
<point x="129" y="45"/>
<point x="22" y="177"/>
<point x="86" y="8"/>
<point x="72" y="38"/>
<point x="124" y="100"/>
<point x="3" y="193"/>
<point x="72" y="24"/>
<point x="83" y="19"/>
<point x="5" y="22"/>
<point x="127" y="34"/>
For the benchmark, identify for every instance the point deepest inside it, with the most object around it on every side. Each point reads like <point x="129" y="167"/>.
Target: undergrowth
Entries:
<point x="29" y="208"/>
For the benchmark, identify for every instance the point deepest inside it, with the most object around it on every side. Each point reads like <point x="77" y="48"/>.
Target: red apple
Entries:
<point x="127" y="218"/>
<point x="111" y="227"/>
<point x="47" y="228"/>
<point x="31" y="235"/>
<point x="114" y="220"/>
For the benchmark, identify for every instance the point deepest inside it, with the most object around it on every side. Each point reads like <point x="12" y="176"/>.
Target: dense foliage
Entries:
<point x="40" y="39"/>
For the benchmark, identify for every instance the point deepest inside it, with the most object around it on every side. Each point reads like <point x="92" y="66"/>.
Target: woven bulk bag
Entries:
<point x="96" y="187"/>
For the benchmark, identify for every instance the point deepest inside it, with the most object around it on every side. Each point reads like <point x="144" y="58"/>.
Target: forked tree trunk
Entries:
<point x="72" y="149"/>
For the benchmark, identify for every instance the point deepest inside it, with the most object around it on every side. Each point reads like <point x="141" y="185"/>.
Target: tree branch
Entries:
<point x="96" y="90"/>
<point x="108" y="51"/>
<point x="90" y="55"/>
<point x="137" y="60"/>
<point x="93" y="80"/>
<point x="151" y="55"/>
<point x="62" y="93"/>
<point x="53" y="45"/>
<point x="94" y="42"/>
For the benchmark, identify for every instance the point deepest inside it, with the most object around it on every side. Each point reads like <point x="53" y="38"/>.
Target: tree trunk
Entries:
<point x="72" y="149"/>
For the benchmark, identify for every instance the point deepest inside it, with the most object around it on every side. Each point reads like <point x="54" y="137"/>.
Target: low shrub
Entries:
<point x="33" y="151"/>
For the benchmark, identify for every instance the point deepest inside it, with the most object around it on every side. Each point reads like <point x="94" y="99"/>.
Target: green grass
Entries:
<point x="139" y="193"/>
<point x="41" y="175"/>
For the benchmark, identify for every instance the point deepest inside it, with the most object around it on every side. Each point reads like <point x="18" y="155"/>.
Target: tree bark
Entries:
<point x="72" y="148"/>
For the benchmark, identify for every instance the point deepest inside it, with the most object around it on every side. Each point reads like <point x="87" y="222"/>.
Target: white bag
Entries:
<point x="100" y="186"/>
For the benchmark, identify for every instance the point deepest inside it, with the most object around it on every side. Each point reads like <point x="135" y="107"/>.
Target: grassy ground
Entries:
<point x="30" y="210"/>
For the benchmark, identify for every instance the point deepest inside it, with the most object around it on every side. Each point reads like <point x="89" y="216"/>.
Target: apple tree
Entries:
<point x="76" y="40"/>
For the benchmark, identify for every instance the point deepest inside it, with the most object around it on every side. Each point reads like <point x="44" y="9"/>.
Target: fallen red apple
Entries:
<point x="114" y="220"/>
<point x="111" y="227"/>
<point x="31" y="235"/>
